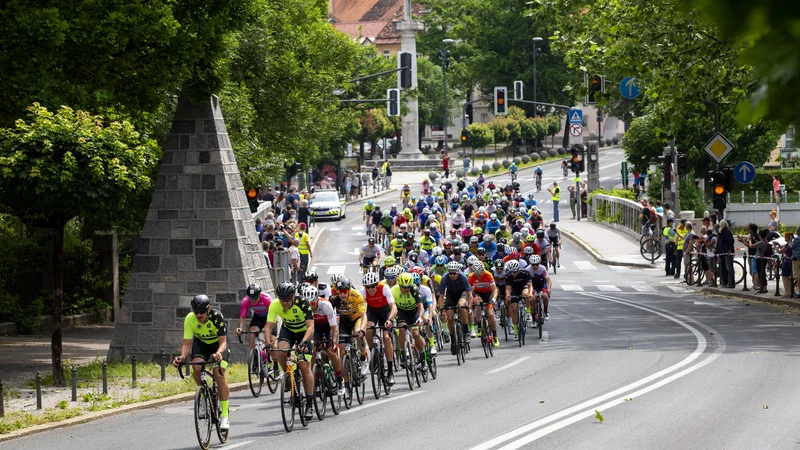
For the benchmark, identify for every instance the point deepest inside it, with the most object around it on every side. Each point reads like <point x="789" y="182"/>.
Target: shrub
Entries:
<point x="506" y="163"/>
<point x="615" y="140"/>
<point x="542" y="154"/>
<point x="517" y="161"/>
<point x="485" y="168"/>
<point x="496" y="165"/>
<point x="526" y="158"/>
<point x="552" y="152"/>
<point x="534" y="157"/>
<point x="561" y="150"/>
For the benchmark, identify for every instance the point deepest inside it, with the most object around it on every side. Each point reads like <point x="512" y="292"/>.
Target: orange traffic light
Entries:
<point x="252" y="193"/>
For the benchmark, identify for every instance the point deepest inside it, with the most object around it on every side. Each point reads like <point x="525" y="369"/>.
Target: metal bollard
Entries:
<point x="746" y="269"/>
<point x="133" y="371"/>
<point x="38" y="391"/>
<point x="74" y="373"/>
<point x="163" y="367"/>
<point x="105" y="377"/>
<point x="778" y="281"/>
<point x="2" y="401"/>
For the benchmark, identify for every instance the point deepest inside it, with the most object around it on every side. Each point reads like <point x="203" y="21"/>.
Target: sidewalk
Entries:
<point x="605" y="244"/>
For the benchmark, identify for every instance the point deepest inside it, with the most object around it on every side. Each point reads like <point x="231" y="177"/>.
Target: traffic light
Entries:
<point x="575" y="161"/>
<point x="468" y="109"/>
<point x="500" y="97"/>
<point x="581" y="159"/>
<point x="681" y="163"/>
<point x="393" y="105"/>
<point x="465" y="138"/>
<point x="252" y="199"/>
<point x="518" y="90"/>
<point x="665" y="166"/>
<point x="595" y="85"/>
<point x="404" y="62"/>
<point x="719" y="189"/>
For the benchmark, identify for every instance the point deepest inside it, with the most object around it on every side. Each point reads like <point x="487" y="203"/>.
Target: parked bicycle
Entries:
<point x="206" y="404"/>
<point x="650" y="244"/>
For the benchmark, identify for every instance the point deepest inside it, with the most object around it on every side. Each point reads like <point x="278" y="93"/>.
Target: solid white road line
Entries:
<point x="335" y="269"/>
<point x="619" y="268"/>
<point x="586" y="409"/>
<point x="379" y="402"/>
<point x="334" y="229"/>
<point x="358" y="228"/>
<point x="585" y="265"/>
<point x="571" y="287"/>
<point x="644" y="288"/>
<point x="511" y="364"/>
<point x="236" y="445"/>
<point x="608" y="288"/>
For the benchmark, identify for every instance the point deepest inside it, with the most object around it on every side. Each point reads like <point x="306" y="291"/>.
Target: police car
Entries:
<point x="327" y="204"/>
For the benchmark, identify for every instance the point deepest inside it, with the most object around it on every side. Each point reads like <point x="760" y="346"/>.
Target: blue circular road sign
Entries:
<point x="744" y="172"/>
<point x="629" y="88"/>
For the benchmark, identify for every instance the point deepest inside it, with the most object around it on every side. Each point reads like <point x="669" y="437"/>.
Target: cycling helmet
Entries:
<point x="440" y="260"/>
<point x="335" y="278"/>
<point x="498" y="264"/>
<point x="371" y="278"/>
<point x="468" y="225"/>
<point x="478" y="230"/>
<point x="464" y="248"/>
<point x="389" y="261"/>
<point x="394" y="205"/>
<point x="487" y="238"/>
<point x="405" y="280"/>
<point x="512" y="266"/>
<point x="472" y="260"/>
<point x="413" y="197"/>
<point x="493" y="217"/>
<point x="412" y="257"/>
<point x="453" y="266"/>
<point x="386" y="213"/>
<point x="310" y="276"/>
<point x="417" y="278"/>
<point x="457" y="250"/>
<point x="530" y="196"/>
<point x="501" y="248"/>
<point x="540" y="233"/>
<point x="503" y="241"/>
<point x="370" y="203"/>
<point x="401" y="270"/>
<point x="200" y="303"/>
<point x="447" y="244"/>
<point x="344" y="284"/>
<point x="285" y="290"/>
<point x="407" y="210"/>
<point x="502" y="226"/>
<point x="552" y="225"/>
<point x="481" y="251"/>
<point x="391" y="272"/>
<point x="477" y="267"/>
<point x="474" y="239"/>
<point x="437" y="251"/>
<point x="536" y="259"/>
<point x="416" y="246"/>
<point x="417" y="269"/>
<point x="253" y="291"/>
<point x="408" y="264"/>
<point x="309" y="292"/>
<point x="517" y="236"/>
<point x="426" y="211"/>
<point x="514" y="255"/>
<point x="530" y="238"/>
<point x="528" y="250"/>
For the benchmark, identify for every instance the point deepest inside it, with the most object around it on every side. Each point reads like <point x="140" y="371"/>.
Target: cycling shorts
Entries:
<point x="293" y="339"/>
<point x="540" y="288"/>
<point x="204" y="350"/>
<point x="485" y="296"/>
<point x="260" y="322"/>
<point x="378" y="316"/>
<point x="408" y="317"/>
<point x="451" y="300"/>
<point x="366" y="262"/>
<point x="347" y="326"/>
<point x="322" y="334"/>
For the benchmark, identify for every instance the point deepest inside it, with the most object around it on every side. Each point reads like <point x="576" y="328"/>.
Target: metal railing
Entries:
<point x="619" y="211"/>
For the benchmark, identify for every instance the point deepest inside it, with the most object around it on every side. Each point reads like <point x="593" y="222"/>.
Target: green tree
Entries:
<point x="480" y="135"/>
<point x="430" y="92"/>
<point x="499" y="131"/>
<point x="58" y="166"/>
<point x="642" y="143"/>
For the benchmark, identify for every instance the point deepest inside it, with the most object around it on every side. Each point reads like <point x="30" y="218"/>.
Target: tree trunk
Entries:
<point x="58" y="304"/>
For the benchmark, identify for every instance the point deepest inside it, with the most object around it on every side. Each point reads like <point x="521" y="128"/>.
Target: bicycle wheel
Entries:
<point x="320" y="393"/>
<point x="771" y="268"/>
<point x="359" y="381"/>
<point x="432" y="366"/>
<point x="458" y="337"/>
<point x="222" y="435"/>
<point x="738" y="269"/>
<point x="438" y="333"/>
<point x="287" y="403"/>
<point x="485" y="338"/>
<point x="540" y="317"/>
<point x="521" y="324"/>
<point x="333" y="390"/>
<point x="490" y="337"/>
<point x="273" y="375"/>
<point x="422" y="371"/>
<point x="202" y="417"/>
<point x="348" y="375"/>
<point x="646" y="249"/>
<point x="300" y="395"/>
<point x="408" y="361"/>
<point x="504" y="321"/>
<point x="376" y="372"/>
<point x="255" y="377"/>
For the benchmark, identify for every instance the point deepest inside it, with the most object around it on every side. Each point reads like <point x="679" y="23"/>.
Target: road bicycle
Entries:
<point x="555" y="262"/>
<point x="565" y="170"/>
<point x="324" y="382"/>
<point x="292" y="393"/>
<point x="522" y="323"/>
<point x="503" y="321"/>
<point x="538" y="183"/>
<point x="429" y="358"/>
<point x="411" y="358"/>
<point x="461" y="343"/>
<point x="487" y="338"/>
<point x="650" y="244"/>
<point x="354" y="382"/>
<point x="261" y="367"/>
<point x="439" y="336"/>
<point x="206" y="404"/>
<point x="539" y="310"/>
<point x="377" y="363"/>
<point x="513" y="177"/>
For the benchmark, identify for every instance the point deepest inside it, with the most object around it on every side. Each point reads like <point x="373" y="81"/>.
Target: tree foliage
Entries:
<point x="430" y="90"/>
<point x="480" y="135"/>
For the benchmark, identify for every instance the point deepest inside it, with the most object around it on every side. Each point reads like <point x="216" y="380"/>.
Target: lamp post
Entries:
<point x="535" y="106"/>
<point x="444" y="56"/>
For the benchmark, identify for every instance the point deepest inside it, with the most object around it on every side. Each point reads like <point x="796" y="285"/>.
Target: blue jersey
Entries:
<point x="492" y="226"/>
<point x="490" y="249"/>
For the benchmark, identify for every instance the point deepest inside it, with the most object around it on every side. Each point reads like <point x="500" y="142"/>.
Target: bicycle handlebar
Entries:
<point x="202" y="364"/>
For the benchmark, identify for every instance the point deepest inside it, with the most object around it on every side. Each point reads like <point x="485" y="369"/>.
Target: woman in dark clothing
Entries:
<point x="725" y="248"/>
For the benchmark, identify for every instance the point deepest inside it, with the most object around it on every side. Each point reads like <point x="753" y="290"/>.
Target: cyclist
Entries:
<point x="312" y="278"/>
<point x="405" y="195"/>
<point x="538" y="176"/>
<point x="259" y="302"/>
<point x="326" y="328"/>
<point x="502" y="233"/>
<point x="298" y="328"/>
<point x="540" y="282"/>
<point x="512" y="169"/>
<point x="518" y="287"/>
<point x="482" y="284"/>
<point x="553" y="233"/>
<point x="410" y="309"/>
<point x="564" y="167"/>
<point x="204" y="343"/>
<point x="544" y="246"/>
<point x="370" y="255"/>
<point x="398" y="244"/>
<point x="454" y="291"/>
<point x="366" y="214"/>
<point x="386" y="224"/>
<point x="352" y="310"/>
<point x="375" y="222"/>
<point x="381" y="310"/>
<point x="530" y="202"/>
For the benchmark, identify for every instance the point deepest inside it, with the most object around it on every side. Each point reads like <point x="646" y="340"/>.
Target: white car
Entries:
<point x="327" y="204"/>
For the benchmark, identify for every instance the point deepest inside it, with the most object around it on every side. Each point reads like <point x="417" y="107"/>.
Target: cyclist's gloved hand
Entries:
<point x="304" y="347"/>
<point x="360" y="333"/>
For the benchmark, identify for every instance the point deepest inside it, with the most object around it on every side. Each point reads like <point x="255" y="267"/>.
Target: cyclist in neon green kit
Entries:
<point x="205" y="337"/>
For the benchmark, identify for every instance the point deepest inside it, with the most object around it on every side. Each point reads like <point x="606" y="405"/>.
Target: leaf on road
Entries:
<point x="541" y="401"/>
<point x="629" y="399"/>
<point x="630" y="348"/>
<point x="598" y="416"/>
<point x="765" y="406"/>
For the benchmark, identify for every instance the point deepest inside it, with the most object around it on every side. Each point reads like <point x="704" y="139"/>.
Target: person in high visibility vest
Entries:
<point x="304" y="246"/>
<point x="555" y="194"/>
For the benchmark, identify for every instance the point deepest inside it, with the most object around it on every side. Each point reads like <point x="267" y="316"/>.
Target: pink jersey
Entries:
<point x="466" y="233"/>
<point x="260" y="308"/>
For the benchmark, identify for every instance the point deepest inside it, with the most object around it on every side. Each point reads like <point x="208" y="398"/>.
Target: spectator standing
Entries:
<point x="280" y="203"/>
<point x="388" y="175"/>
<point x="776" y="189"/>
<point x="725" y="249"/>
<point x="294" y="261"/>
<point x="348" y="186"/>
<point x="356" y="185"/>
<point x="795" y="245"/>
<point x="786" y="265"/>
<point x="573" y="200"/>
<point x="680" y="237"/>
<point x="687" y="248"/>
<point x="584" y="199"/>
<point x="265" y="247"/>
<point x="669" y="247"/>
<point x="773" y="224"/>
<point x="445" y="164"/>
<point x="303" y="213"/>
<point x="555" y="194"/>
<point x="269" y="196"/>
<point x="304" y="246"/>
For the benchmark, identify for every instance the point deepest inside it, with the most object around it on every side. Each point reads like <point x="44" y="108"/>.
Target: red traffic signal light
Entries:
<point x="500" y="106"/>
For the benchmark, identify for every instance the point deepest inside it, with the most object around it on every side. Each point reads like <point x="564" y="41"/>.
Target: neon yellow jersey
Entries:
<point x="406" y="302"/>
<point x="368" y="209"/>
<point x="294" y="318"/>
<point x="208" y="332"/>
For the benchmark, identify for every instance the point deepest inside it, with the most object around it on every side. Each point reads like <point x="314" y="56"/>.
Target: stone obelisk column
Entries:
<point x="408" y="29"/>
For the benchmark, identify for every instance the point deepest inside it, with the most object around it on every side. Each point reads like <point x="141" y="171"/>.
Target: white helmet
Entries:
<point x="478" y="267"/>
<point x="535" y="259"/>
<point x="472" y="260"/>
<point x="335" y="278"/>
<point x="309" y="292"/>
<point x="437" y="251"/>
<point x="512" y="265"/>
<point x="493" y="217"/>
<point x="372" y="277"/>
<point x="482" y="209"/>
<point x="453" y="266"/>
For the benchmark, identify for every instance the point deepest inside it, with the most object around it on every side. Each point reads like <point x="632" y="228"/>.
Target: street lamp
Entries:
<point x="444" y="56"/>
<point x="535" y="106"/>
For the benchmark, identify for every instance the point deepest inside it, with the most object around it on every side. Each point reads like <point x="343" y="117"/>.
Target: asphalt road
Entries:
<point x="665" y="368"/>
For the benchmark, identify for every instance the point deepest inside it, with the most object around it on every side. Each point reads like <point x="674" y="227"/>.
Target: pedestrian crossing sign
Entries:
<point x="576" y="116"/>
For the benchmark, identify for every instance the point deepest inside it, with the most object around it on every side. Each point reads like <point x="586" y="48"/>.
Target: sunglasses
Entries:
<point x="371" y="286"/>
<point x="452" y="273"/>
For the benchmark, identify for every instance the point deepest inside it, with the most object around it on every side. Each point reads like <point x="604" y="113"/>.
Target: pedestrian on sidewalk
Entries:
<point x="796" y="257"/>
<point x="294" y="261"/>
<point x="304" y="246"/>
<point x="776" y="189"/>
<point x="348" y="186"/>
<point x="572" y="200"/>
<point x="773" y="223"/>
<point x="669" y="247"/>
<point x="725" y="250"/>
<point x="688" y="247"/>
<point x="786" y="265"/>
<point x="555" y="196"/>
<point x="680" y="238"/>
<point x="668" y="213"/>
<point x="584" y="199"/>
<point x="356" y="185"/>
<point x="387" y="174"/>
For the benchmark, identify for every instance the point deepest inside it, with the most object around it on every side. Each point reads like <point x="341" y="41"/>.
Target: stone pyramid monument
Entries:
<point x="199" y="237"/>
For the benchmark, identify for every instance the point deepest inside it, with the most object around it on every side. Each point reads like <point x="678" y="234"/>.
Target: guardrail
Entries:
<point x="620" y="213"/>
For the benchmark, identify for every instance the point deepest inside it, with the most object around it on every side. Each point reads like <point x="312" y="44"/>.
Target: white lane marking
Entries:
<point x="379" y="402"/>
<point x="579" y="410"/>
<point x="358" y="228"/>
<point x="585" y="265"/>
<point x="605" y="178"/>
<point x="511" y="364"/>
<point x="600" y="281"/>
<point x="334" y="229"/>
<point x="335" y="269"/>
<point x="619" y="268"/>
<point x="237" y="445"/>
<point x="336" y="264"/>
<point x="571" y="287"/>
<point x="608" y="288"/>
<point x="644" y="288"/>
<point x="356" y="251"/>
<point x="637" y="282"/>
<point x="545" y="336"/>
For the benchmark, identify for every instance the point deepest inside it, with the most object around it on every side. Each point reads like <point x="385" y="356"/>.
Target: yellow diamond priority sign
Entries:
<point x="718" y="148"/>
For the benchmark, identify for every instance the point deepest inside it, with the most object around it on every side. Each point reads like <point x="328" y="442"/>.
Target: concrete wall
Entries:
<point x="758" y="213"/>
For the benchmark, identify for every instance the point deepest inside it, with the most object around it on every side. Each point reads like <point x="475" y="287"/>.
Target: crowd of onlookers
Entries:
<point x="284" y="227"/>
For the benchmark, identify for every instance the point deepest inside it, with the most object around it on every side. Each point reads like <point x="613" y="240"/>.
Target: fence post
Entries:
<point x="133" y="371"/>
<point x="163" y="367"/>
<point x="756" y="196"/>
<point x="38" y="391"/>
<point x="74" y="373"/>
<point x="2" y="401"/>
<point x="105" y="377"/>
<point x="746" y="269"/>
<point x="778" y="280"/>
<point x="743" y="197"/>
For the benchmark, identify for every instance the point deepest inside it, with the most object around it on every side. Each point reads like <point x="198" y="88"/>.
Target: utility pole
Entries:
<point x="444" y="55"/>
<point x="535" y="106"/>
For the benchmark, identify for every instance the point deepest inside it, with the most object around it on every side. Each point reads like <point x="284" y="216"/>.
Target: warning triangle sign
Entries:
<point x="575" y="117"/>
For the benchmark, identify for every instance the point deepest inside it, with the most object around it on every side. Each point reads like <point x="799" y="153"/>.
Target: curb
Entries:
<point x="600" y="258"/>
<point x="367" y="197"/>
<point x="317" y="238"/>
<point x="531" y="167"/>
<point x="235" y="387"/>
<point x="769" y="297"/>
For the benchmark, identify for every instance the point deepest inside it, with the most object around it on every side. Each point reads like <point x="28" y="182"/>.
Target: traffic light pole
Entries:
<point x="676" y="189"/>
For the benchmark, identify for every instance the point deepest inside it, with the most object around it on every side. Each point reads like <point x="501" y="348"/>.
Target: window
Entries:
<point x="386" y="54"/>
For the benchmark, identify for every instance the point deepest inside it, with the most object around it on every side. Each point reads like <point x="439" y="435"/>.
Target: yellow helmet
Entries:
<point x="405" y="280"/>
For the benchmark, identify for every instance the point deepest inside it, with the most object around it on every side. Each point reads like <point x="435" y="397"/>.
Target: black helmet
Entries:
<point x="343" y="284"/>
<point x="200" y="303"/>
<point x="498" y="264"/>
<point x="539" y="233"/>
<point x="310" y="276"/>
<point x="481" y="251"/>
<point x="285" y="290"/>
<point x="253" y="291"/>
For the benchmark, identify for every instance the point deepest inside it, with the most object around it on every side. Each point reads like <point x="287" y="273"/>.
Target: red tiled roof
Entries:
<point x="364" y="29"/>
<point x="363" y="10"/>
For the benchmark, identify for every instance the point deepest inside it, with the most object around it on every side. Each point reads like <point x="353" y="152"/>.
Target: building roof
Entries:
<point x="373" y="19"/>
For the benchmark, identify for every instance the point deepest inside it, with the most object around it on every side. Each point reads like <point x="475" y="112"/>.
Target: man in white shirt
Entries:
<point x="294" y="261"/>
